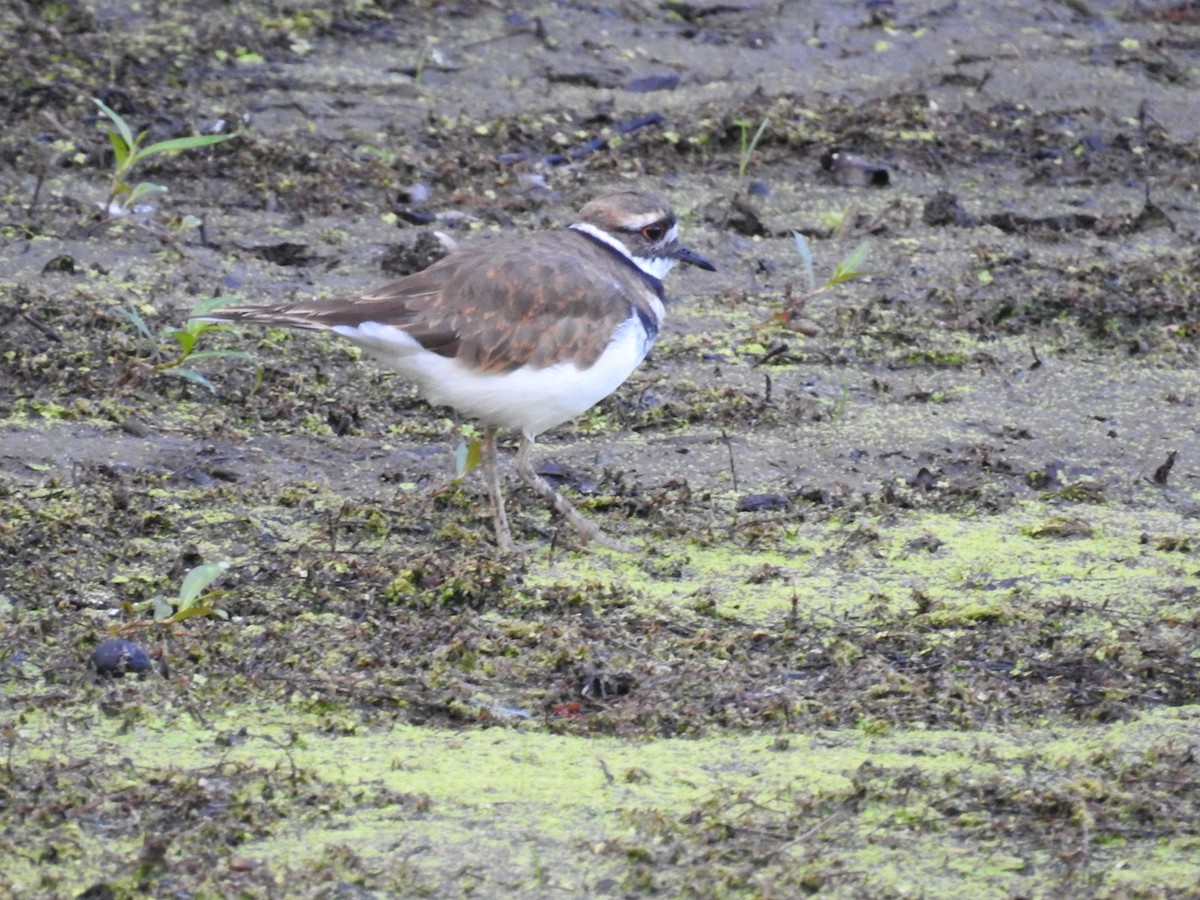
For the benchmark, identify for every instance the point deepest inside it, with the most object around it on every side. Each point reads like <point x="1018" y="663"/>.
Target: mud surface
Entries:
<point x="916" y="608"/>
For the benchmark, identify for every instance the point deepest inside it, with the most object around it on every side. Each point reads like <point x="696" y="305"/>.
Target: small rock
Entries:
<point x="666" y="81"/>
<point x="852" y="170"/>
<point x="763" y="502"/>
<point x="404" y="259"/>
<point x="744" y="219"/>
<point x="944" y="209"/>
<point x="61" y="263"/>
<point x="116" y="656"/>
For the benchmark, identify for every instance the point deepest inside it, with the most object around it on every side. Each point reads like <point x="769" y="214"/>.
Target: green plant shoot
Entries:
<point x="128" y="152"/>
<point x="749" y="143"/>
<point x="467" y="456"/>
<point x="194" y="598"/>
<point x="849" y="269"/>
<point x="186" y="339"/>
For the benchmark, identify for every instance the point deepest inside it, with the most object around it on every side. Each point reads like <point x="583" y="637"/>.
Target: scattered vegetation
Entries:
<point x="194" y="597"/>
<point x="850" y="268"/>
<point x="178" y="360"/>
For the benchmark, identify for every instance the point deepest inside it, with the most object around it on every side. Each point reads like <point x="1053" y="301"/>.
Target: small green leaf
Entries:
<point x="193" y="376"/>
<point x="115" y="117"/>
<point x="162" y="609"/>
<point x="143" y="190"/>
<point x="850" y="268"/>
<point x="467" y="456"/>
<point x="120" y="148"/>
<point x="200" y="609"/>
<point x="185" y="338"/>
<point x="197" y="580"/>
<point x="806" y="258"/>
<point x="181" y="143"/>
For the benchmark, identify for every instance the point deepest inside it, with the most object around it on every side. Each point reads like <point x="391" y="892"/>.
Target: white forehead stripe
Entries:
<point x="637" y="224"/>
<point x="603" y="236"/>
<point x="655" y="267"/>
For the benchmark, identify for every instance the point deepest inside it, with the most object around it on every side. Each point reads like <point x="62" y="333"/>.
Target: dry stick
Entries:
<point x="1143" y="114"/>
<point x="733" y="477"/>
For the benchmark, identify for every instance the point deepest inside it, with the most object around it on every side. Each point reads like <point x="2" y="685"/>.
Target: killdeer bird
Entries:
<point x="521" y="333"/>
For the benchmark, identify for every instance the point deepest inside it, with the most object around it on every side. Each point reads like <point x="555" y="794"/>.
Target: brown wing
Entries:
<point x="537" y="300"/>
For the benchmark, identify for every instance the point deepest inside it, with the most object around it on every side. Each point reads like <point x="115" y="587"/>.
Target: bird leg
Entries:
<point x="487" y="459"/>
<point x="588" y="530"/>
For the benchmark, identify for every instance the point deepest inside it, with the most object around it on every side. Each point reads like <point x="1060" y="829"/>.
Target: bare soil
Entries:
<point x="915" y="613"/>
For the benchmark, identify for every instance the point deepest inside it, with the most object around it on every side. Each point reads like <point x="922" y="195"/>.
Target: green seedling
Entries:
<point x="467" y="456"/>
<point x="430" y="55"/>
<point x="186" y="341"/>
<point x="128" y="152"/>
<point x="194" y="598"/>
<point x="849" y="269"/>
<point x="469" y="453"/>
<point x="748" y="143"/>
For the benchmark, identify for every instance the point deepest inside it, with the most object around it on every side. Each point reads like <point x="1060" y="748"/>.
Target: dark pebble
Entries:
<point x="763" y="502"/>
<point x="116" y="656"/>
<point x="855" y="171"/>
<point x="416" y="216"/>
<point x="62" y="263"/>
<point x="648" y="83"/>
<point x="944" y="209"/>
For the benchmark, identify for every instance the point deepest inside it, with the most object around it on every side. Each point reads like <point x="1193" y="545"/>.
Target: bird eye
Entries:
<point x="654" y="232"/>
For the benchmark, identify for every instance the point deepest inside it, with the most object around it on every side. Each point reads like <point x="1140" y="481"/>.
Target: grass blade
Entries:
<point x="181" y="143"/>
<point x="115" y="118"/>
<point x="193" y="376"/>
<point x="852" y="266"/>
<point x="806" y="259"/>
<point x="137" y="321"/>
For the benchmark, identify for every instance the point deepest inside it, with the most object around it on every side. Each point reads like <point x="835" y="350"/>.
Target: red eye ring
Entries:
<point x="654" y="232"/>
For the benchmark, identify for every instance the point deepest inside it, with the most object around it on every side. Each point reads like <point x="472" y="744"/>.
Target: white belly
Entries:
<point x="527" y="400"/>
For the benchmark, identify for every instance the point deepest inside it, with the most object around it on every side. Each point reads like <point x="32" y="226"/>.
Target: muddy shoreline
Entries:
<point x="915" y="612"/>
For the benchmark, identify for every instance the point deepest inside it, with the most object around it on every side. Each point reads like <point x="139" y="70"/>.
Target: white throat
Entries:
<point x="655" y="267"/>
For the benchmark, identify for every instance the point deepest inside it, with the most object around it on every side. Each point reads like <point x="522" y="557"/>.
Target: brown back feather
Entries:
<point x="534" y="300"/>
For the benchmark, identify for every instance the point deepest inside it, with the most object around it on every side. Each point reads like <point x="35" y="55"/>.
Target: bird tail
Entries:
<point x="281" y="316"/>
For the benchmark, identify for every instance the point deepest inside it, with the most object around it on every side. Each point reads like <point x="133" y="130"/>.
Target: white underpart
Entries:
<point x="656" y="267"/>
<point x="527" y="400"/>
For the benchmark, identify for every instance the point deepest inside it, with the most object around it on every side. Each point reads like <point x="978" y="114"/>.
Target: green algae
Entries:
<point x="982" y="563"/>
<point x="525" y="810"/>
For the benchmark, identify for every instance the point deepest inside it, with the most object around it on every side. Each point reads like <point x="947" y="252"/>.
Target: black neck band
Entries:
<point x="655" y="284"/>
